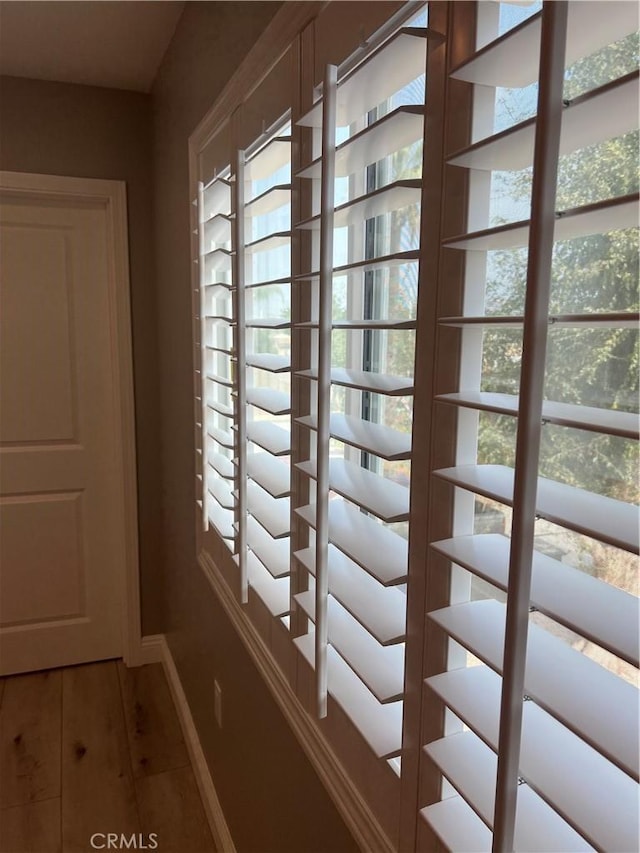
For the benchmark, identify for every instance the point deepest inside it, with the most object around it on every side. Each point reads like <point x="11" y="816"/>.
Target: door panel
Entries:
<point x="61" y="519"/>
<point x="35" y="346"/>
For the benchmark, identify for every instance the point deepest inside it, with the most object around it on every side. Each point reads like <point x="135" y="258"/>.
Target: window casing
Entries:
<point x="362" y="313"/>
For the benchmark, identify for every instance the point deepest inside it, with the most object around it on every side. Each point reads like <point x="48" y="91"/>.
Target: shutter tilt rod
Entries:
<point x="241" y="379"/>
<point x="325" y="310"/>
<point x="539" y="260"/>
<point x="202" y="339"/>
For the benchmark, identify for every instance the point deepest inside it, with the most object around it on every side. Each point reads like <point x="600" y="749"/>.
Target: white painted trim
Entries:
<point x="155" y="649"/>
<point x="278" y="36"/>
<point x="152" y="649"/>
<point x="111" y="194"/>
<point x="361" y="821"/>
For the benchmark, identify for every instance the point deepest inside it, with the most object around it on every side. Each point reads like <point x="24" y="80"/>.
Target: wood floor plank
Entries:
<point x="97" y="786"/>
<point x="31" y="828"/>
<point x="30" y="744"/>
<point x="170" y="806"/>
<point x="153" y="728"/>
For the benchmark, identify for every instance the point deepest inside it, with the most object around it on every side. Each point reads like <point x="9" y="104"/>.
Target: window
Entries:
<point x="541" y="743"/>
<point x="416" y="333"/>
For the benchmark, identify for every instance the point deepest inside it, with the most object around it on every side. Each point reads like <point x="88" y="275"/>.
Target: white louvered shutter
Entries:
<point x="541" y="750"/>
<point x="214" y="420"/>
<point x="264" y="367"/>
<point x="363" y="236"/>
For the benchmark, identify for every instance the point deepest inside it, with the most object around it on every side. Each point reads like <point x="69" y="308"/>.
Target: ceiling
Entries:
<point x="115" y="44"/>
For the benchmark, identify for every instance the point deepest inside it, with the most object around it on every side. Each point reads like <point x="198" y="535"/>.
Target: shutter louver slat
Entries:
<point x="267" y="323"/>
<point x="268" y="243"/>
<point x="381" y="668"/>
<point x="513" y="149"/>
<point x="380" y="725"/>
<point x="585" y="788"/>
<point x="378" y="550"/>
<point x="624" y="320"/>
<point x="382" y="262"/>
<point x="383" y="498"/>
<point x="470" y="766"/>
<point x="609" y="421"/>
<point x="366" y="435"/>
<point x="575" y="690"/>
<point x="269" y="400"/>
<point x="271" y="513"/>
<point x="269" y="200"/>
<point x="606" y="519"/>
<point x="272" y="553"/>
<point x="270" y="437"/>
<point x="376" y="203"/>
<point x="269" y="361"/>
<point x="364" y="380"/>
<point x="394" y="131"/>
<point x="457" y="825"/>
<point x="586" y="605"/>
<point x="513" y="59"/>
<point x="267" y="282"/>
<point x="269" y="473"/>
<point x="599" y="218"/>
<point x="220" y="380"/>
<point x="273" y="593"/>
<point x="400" y="60"/>
<point x="380" y="609"/>
<point x="217" y="230"/>
<point x="216" y="199"/>
<point x="220" y="518"/>
<point x="221" y="492"/>
<point x="220" y="463"/>
<point x="269" y="159"/>
<point x="220" y="408"/>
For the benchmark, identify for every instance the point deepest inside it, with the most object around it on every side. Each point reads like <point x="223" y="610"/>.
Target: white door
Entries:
<point x="62" y="566"/>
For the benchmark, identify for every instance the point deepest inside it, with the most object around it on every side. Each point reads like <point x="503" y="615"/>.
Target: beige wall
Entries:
<point x="272" y="798"/>
<point x="84" y="131"/>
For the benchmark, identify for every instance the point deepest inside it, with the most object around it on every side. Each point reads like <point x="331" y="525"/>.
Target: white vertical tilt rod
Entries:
<point x="241" y="379"/>
<point x="201" y="335"/>
<point x="540" y="251"/>
<point x="325" y="312"/>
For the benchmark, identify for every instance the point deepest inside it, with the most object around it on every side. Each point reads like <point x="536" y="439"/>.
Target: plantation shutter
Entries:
<point x="362" y="277"/>
<point x="263" y="311"/>
<point x="541" y="751"/>
<point x="213" y="319"/>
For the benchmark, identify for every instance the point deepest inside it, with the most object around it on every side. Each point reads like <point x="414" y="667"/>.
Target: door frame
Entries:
<point x="112" y="196"/>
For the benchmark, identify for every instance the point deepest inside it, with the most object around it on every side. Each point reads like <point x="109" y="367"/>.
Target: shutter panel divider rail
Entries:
<point x="241" y="381"/>
<point x="325" y="307"/>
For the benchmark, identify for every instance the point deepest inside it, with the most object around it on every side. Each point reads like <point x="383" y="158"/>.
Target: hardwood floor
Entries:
<point x="93" y="749"/>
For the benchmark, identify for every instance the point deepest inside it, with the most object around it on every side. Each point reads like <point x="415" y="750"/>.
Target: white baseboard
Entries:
<point x="155" y="649"/>
<point x="151" y="650"/>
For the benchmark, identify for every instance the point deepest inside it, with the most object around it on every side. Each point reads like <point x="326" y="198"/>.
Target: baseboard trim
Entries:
<point x="151" y="650"/>
<point x="361" y="821"/>
<point x="155" y="649"/>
